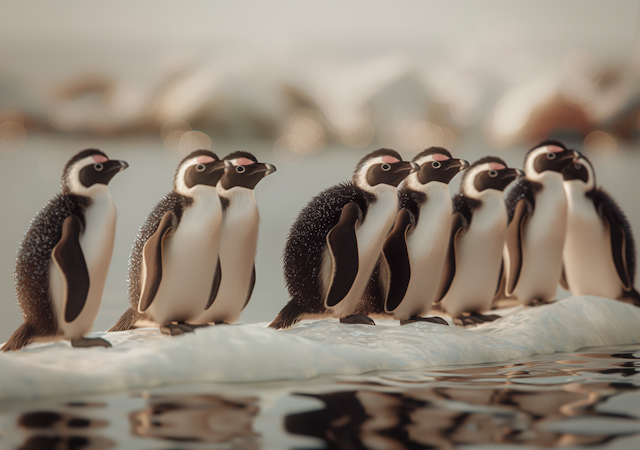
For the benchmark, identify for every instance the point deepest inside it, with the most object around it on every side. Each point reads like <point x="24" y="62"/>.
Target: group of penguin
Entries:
<point x="192" y="262"/>
<point x="389" y="243"/>
<point x="393" y="243"/>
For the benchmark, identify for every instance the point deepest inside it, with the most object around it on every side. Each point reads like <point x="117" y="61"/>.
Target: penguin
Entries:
<point x="239" y="237"/>
<point x="478" y="232"/>
<point x="537" y="210"/>
<point x="599" y="252"/>
<point x="63" y="260"/>
<point x="334" y="244"/>
<point x="174" y="272"/>
<point x="414" y="251"/>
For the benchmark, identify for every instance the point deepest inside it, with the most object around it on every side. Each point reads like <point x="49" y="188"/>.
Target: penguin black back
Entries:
<point x="306" y="239"/>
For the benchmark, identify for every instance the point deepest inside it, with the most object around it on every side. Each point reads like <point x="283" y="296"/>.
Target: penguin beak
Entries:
<point x="414" y="167"/>
<point x="270" y="169"/>
<point x="464" y="164"/>
<point x="519" y="173"/>
<point x="227" y="166"/>
<point x="114" y="164"/>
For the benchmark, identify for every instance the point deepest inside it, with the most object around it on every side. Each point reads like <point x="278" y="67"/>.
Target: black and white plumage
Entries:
<point x="537" y="207"/>
<point x="478" y="232"/>
<point x="407" y="280"/>
<point x="599" y="251"/>
<point x="239" y="237"/>
<point x="64" y="258"/>
<point x="336" y="241"/>
<point x="174" y="273"/>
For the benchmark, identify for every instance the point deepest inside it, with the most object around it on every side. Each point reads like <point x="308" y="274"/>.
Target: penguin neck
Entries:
<point x="492" y="210"/>
<point x="238" y="197"/>
<point x="576" y="192"/>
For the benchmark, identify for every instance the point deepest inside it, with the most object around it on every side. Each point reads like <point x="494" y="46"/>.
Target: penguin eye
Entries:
<point x="577" y="166"/>
<point x="385" y="167"/>
<point x="493" y="173"/>
<point x="436" y="165"/>
<point x="240" y="169"/>
<point x="551" y="156"/>
<point x="98" y="167"/>
<point x="200" y="167"/>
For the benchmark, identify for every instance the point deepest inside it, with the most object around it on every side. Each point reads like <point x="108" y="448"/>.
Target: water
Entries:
<point x="584" y="399"/>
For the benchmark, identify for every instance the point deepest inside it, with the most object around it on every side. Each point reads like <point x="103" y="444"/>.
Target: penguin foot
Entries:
<point x="89" y="342"/>
<point x="358" y="318"/>
<point x="539" y="302"/>
<point x="176" y="329"/>
<point x="412" y="319"/>
<point x="474" y="318"/>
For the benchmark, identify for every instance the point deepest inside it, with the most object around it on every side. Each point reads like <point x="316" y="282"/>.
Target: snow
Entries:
<point x="145" y="358"/>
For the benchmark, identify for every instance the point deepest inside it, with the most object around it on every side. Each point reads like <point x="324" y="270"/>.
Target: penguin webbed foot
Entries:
<point x="85" y="342"/>
<point x="180" y="328"/>
<point x="358" y="319"/>
<point x="434" y="319"/>
<point x="474" y="318"/>
<point x="539" y="302"/>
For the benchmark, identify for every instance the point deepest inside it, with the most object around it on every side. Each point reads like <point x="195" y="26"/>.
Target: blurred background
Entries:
<point x="308" y="86"/>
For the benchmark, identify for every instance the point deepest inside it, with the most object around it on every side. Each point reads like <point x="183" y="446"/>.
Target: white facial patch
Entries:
<point x="361" y="176"/>
<point x="468" y="187"/>
<point x="591" y="181"/>
<point x="529" y="170"/>
<point x="73" y="176"/>
<point x="411" y="181"/>
<point x="180" y="186"/>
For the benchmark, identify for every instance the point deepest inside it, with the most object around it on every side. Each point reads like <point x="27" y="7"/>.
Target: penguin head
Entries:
<point x="198" y="171"/>
<point x="89" y="171"/>
<point x="436" y="166"/>
<point x="548" y="157"/>
<point x="381" y="168"/>
<point x="243" y="171"/>
<point x="580" y="173"/>
<point x="488" y="173"/>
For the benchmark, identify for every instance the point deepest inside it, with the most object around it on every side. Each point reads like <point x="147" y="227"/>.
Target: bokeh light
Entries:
<point x="194" y="140"/>
<point x="601" y="144"/>
<point x="63" y="115"/>
<point x="306" y="132"/>
<point x="171" y="133"/>
<point x="13" y="134"/>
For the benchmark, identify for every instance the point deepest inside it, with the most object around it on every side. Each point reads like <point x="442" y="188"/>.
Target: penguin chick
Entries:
<point x="239" y="236"/>
<point x="537" y="209"/>
<point x="599" y="251"/>
<point x="478" y="232"/>
<point x="414" y="251"/>
<point x="334" y="244"/>
<point x="63" y="260"/>
<point x="174" y="274"/>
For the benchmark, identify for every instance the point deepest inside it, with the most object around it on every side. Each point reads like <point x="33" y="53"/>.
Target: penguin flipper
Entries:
<point x="252" y="284"/>
<point x="68" y="257"/>
<point x="458" y="227"/>
<point x="343" y="247"/>
<point x="515" y="238"/>
<point x="396" y="256"/>
<point x="152" y="261"/>
<point x="563" y="280"/>
<point x="618" y="237"/>
<point x="217" y="279"/>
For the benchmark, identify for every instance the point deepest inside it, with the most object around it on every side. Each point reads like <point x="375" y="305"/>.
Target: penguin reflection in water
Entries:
<point x="599" y="251"/>
<point x="174" y="274"/>
<point x="537" y="208"/>
<point x="64" y="258"/>
<point x="336" y="241"/>
<point x="478" y="232"/>
<point x="406" y="281"/>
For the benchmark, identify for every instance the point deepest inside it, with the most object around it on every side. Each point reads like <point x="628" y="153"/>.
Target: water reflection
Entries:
<point x="580" y="400"/>
<point x="198" y="418"/>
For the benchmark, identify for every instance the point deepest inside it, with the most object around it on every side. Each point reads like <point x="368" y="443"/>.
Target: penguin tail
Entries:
<point x="22" y="336"/>
<point x="288" y="316"/>
<point x="126" y="321"/>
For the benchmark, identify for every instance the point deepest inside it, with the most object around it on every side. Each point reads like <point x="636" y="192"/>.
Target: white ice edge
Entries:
<point x="252" y="353"/>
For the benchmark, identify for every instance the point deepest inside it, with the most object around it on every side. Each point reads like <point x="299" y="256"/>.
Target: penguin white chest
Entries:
<point x="238" y="244"/>
<point x="588" y="260"/>
<point x="96" y="242"/>
<point x="427" y="247"/>
<point x="544" y="237"/>
<point x="189" y="261"/>
<point x="370" y="236"/>
<point x="478" y="258"/>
